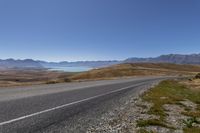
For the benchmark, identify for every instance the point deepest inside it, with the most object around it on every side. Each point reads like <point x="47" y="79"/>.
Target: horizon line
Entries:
<point x="11" y="58"/>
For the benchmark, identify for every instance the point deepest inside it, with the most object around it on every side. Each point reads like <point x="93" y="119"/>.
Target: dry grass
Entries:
<point x="192" y="130"/>
<point x="192" y="113"/>
<point x="18" y="77"/>
<point x="193" y="84"/>
<point x="138" y="69"/>
<point x="152" y="122"/>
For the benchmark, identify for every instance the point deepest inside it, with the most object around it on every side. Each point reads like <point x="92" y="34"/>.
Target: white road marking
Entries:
<point x="65" y="105"/>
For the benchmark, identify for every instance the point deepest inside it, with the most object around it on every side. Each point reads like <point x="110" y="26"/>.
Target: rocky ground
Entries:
<point x="125" y="118"/>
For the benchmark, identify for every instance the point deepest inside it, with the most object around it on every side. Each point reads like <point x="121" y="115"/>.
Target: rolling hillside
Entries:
<point x="138" y="69"/>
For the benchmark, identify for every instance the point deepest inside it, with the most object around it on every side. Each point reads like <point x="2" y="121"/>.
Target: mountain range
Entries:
<point x="170" y="58"/>
<point x="92" y="64"/>
<point x="27" y="63"/>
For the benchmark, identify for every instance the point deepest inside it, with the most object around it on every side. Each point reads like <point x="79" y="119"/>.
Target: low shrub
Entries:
<point x="197" y="76"/>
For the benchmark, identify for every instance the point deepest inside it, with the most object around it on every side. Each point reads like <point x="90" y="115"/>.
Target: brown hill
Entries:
<point x="19" y="77"/>
<point x="138" y="69"/>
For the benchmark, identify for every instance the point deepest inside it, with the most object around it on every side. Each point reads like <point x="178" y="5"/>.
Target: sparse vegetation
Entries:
<point x="169" y="107"/>
<point x="52" y="82"/>
<point x="67" y="80"/>
<point x="190" y="121"/>
<point x="151" y="122"/>
<point x="193" y="114"/>
<point x="15" y="77"/>
<point x="192" y="130"/>
<point x="138" y="69"/>
<point x="172" y="92"/>
<point x="169" y="92"/>
<point x="197" y="76"/>
<point x="18" y="77"/>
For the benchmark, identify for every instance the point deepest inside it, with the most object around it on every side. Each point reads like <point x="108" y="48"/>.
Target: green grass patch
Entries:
<point x="151" y="122"/>
<point x="190" y="121"/>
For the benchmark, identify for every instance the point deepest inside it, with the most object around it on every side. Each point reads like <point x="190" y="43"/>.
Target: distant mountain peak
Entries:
<point x="12" y="63"/>
<point x="170" y="58"/>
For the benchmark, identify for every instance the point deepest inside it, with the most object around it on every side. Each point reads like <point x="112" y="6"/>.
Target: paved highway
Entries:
<point x="29" y="109"/>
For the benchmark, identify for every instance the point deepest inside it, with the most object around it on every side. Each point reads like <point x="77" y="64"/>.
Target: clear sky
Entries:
<point x="71" y="30"/>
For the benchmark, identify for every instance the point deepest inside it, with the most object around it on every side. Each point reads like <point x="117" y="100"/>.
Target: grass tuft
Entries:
<point x="152" y="122"/>
<point x="190" y="121"/>
<point x="191" y="113"/>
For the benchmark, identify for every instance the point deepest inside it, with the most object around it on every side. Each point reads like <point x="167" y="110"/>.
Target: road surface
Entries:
<point x="30" y="109"/>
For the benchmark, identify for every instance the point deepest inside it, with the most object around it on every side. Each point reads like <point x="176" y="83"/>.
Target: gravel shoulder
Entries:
<point x="112" y="114"/>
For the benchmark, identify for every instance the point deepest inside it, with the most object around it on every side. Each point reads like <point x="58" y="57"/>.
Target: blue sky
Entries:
<point x="71" y="30"/>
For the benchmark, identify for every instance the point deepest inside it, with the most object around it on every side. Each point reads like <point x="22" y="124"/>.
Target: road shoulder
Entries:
<point x="102" y="117"/>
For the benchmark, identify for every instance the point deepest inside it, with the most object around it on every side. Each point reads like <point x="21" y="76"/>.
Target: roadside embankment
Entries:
<point x="170" y="107"/>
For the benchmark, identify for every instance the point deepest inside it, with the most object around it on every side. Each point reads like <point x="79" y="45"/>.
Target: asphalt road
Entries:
<point x="30" y="109"/>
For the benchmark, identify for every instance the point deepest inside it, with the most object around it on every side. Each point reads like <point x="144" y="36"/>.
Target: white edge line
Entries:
<point x="65" y="105"/>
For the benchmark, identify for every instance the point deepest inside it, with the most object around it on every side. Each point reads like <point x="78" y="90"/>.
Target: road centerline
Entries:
<point x="68" y="104"/>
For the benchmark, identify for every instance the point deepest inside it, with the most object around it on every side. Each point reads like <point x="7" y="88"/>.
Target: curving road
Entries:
<point x="29" y="109"/>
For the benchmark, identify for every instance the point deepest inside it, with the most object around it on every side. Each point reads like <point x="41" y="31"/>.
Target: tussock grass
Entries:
<point x="58" y="81"/>
<point x="192" y="113"/>
<point x="151" y="122"/>
<point x="169" y="92"/>
<point x="190" y="121"/>
<point x="172" y="92"/>
<point x="197" y="76"/>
